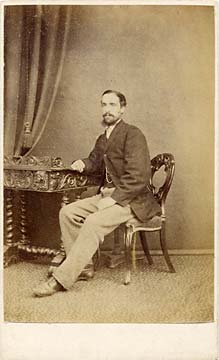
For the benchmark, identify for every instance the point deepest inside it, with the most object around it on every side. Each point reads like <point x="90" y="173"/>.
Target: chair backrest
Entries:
<point x="168" y="162"/>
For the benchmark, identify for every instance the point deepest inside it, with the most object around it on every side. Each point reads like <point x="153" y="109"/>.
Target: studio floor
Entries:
<point x="153" y="296"/>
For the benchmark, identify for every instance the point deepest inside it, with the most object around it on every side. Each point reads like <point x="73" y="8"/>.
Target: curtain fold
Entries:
<point x="12" y="63"/>
<point x="53" y="71"/>
<point x="34" y="69"/>
<point x="40" y="56"/>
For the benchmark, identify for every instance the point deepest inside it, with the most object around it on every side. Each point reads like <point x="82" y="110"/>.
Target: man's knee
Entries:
<point x="68" y="210"/>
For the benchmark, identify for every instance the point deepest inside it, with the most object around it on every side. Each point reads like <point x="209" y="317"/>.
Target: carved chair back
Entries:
<point x="166" y="161"/>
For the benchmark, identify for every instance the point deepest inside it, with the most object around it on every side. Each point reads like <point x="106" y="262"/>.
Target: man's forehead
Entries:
<point x="110" y="97"/>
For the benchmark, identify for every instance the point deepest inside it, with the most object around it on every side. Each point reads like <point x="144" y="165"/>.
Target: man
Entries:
<point x="121" y="156"/>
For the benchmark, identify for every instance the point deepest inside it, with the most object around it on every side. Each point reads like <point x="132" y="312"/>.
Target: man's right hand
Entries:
<point x="78" y="165"/>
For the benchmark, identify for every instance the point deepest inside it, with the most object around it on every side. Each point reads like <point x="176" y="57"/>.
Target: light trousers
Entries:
<point x="83" y="228"/>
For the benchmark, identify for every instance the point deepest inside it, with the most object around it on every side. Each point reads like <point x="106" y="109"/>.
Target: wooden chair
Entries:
<point x="158" y="223"/>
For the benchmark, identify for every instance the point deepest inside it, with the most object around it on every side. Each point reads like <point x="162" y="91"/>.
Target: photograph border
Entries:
<point x="113" y="341"/>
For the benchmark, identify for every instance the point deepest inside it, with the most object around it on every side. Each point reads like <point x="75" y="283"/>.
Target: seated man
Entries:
<point x="121" y="156"/>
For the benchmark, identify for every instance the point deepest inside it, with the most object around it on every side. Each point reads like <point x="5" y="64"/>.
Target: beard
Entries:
<point x="109" y="119"/>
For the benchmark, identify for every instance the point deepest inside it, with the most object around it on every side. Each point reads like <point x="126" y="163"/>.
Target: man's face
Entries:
<point x="111" y="109"/>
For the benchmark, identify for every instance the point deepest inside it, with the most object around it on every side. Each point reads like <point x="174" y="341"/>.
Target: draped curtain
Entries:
<point x="34" y="51"/>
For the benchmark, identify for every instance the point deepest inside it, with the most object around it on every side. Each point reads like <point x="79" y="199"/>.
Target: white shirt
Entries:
<point x="110" y="128"/>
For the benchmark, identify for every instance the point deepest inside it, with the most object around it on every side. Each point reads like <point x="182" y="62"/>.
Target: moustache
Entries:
<point x="107" y="114"/>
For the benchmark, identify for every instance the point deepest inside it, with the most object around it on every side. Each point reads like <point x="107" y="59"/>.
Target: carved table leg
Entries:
<point x="10" y="248"/>
<point x="23" y="222"/>
<point x="9" y="219"/>
<point x="24" y="242"/>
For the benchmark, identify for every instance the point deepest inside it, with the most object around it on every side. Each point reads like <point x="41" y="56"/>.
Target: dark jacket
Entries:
<point x="126" y="156"/>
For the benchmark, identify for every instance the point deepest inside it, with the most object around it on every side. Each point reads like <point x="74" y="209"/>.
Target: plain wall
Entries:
<point x="162" y="59"/>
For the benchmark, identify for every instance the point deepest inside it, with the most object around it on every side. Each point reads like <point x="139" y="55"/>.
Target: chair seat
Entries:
<point x="151" y="225"/>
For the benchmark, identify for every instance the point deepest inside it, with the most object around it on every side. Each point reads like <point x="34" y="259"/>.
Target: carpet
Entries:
<point x="153" y="296"/>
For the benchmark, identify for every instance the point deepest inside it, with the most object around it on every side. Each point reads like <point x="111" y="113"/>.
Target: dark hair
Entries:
<point x="121" y="97"/>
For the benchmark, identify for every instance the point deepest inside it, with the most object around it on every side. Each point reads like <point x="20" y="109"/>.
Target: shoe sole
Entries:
<point x="85" y="277"/>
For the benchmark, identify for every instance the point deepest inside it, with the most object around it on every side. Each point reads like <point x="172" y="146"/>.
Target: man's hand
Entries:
<point x="78" y="165"/>
<point x="105" y="203"/>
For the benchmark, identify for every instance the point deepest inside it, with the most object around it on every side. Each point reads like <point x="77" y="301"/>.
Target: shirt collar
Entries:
<point x="110" y="128"/>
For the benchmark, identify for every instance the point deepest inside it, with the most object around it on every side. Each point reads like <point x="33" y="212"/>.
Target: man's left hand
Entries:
<point x="105" y="203"/>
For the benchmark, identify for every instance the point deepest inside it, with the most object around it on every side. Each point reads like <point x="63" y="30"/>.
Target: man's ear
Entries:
<point x="122" y="109"/>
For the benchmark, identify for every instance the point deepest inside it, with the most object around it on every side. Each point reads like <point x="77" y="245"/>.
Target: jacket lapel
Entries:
<point x="114" y="134"/>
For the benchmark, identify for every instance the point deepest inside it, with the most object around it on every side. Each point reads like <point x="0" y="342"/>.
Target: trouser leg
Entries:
<point x="72" y="217"/>
<point x="95" y="227"/>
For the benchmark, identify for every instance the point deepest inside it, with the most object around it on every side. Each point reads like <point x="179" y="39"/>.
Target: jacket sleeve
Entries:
<point x="94" y="163"/>
<point x="137" y="168"/>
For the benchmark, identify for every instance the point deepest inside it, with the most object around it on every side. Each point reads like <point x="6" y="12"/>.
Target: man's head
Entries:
<point x="113" y="106"/>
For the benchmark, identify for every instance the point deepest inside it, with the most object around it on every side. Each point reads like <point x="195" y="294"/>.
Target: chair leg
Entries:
<point x="128" y="255"/>
<point x="145" y="247"/>
<point x="164" y="248"/>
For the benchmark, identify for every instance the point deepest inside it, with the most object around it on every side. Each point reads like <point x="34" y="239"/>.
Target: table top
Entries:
<point x="48" y="163"/>
<point x="43" y="174"/>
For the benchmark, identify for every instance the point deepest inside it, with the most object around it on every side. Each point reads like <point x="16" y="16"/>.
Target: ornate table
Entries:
<point x="44" y="175"/>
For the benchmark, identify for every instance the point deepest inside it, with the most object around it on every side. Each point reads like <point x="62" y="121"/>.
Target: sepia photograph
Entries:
<point x="108" y="163"/>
